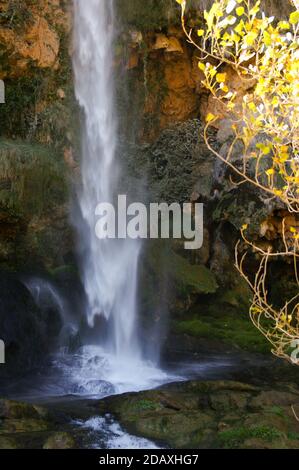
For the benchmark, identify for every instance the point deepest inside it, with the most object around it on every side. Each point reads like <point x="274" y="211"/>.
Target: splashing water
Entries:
<point x="105" y="433"/>
<point x="109" y="267"/>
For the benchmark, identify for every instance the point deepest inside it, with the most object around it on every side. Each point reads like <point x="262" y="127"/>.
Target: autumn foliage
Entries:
<point x="264" y="52"/>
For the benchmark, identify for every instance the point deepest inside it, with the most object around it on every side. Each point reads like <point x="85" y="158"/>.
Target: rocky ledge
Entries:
<point x="219" y="414"/>
<point x="195" y="414"/>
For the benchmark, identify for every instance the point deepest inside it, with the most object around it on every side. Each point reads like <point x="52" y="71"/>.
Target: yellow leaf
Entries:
<point x="250" y="38"/>
<point x="200" y="32"/>
<point x="210" y="117"/>
<point x="240" y="11"/>
<point x="266" y="150"/>
<point x="220" y="77"/>
<point x="270" y="172"/>
<point x="267" y="39"/>
<point x="283" y="25"/>
<point x="252" y="106"/>
<point x="294" y="17"/>
<point x="245" y="227"/>
<point x="283" y="157"/>
<point x="201" y="66"/>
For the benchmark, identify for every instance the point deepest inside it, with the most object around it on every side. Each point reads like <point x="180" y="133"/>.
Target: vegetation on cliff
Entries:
<point x="237" y="36"/>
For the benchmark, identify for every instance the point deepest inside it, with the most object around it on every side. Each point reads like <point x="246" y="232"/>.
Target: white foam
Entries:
<point x="111" y="435"/>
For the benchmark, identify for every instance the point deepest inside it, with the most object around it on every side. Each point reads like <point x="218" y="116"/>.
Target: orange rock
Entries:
<point x="40" y="44"/>
<point x="178" y="75"/>
<point x="37" y="43"/>
<point x="178" y="107"/>
<point x="161" y="42"/>
<point x="133" y="60"/>
<point x="174" y="45"/>
<point x="170" y="44"/>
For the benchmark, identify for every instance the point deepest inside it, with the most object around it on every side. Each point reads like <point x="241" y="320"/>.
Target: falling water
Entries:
<point x="109" y="266"/>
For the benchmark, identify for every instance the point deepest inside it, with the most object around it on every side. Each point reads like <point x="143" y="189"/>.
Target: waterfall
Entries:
<point x="109" y="267"/>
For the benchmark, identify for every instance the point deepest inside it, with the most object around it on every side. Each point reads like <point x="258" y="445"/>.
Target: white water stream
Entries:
<point x="109" y="267"/>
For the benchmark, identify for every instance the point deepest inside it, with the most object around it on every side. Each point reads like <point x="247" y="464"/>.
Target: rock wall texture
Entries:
<point x="35" y="132"/>
<point x="161" y="76"/>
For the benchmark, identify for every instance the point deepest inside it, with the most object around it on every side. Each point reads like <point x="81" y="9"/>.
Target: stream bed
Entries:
<point x="80" y="391"/>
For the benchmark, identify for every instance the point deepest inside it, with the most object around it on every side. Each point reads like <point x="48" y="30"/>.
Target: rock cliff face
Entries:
<point x="35" y="133"/>
<point x="157" y="69"/>
<point x="163" y="81"/>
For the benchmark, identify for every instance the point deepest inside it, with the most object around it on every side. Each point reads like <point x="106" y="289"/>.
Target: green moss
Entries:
<point x="227" y="327"/>
<point x="278" y="411"/>
<point x="146" y="405"/>
<point x="33" y="179"/>
<point x="235" y="437"/>
<point x="17" y="14"/>
<point x="149" y="15"/>
<point x="21" y="95"/>
<point x="191" y="278"/>
<point x="62" y="270"/>
<point x="33" y="111"/>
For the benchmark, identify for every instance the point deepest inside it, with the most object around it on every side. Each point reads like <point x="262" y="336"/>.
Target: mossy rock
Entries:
<point x="15" y="426"/>
<point x="17" y="417"/>
<point x="157" y="14"/>
<point x="10" y="409"/>
<point x="8" y="443"/>
<point x="246" y="437"/>
<point x="33" y="178"/>
<point x="182" y="429"/>
<point x="147" y="16"/>
<point x="60" y="440"/>
<point x="207" y="414"/>
<point x="191" y="279"/>
<point x="237" y="332"/>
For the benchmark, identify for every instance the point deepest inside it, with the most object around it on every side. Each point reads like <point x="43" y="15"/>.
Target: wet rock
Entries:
<point x="15" y="426"/>
<point x="61" y="440"/>
<point x="18" y="418"/>
<point x="176" y="428"/>
<point x="7" y="443"/>
<point x="222" y="401"/>
<point x="207" y="415"/>
<point x="24" y="328"/>
<point x="275" y="398"/>
<point x="15" y="410"/>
